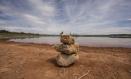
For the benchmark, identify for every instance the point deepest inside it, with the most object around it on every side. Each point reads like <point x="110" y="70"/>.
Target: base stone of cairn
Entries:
<point x="68" y="51"/>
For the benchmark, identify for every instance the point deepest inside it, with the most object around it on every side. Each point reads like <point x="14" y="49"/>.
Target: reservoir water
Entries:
<point x="83" y="41"/>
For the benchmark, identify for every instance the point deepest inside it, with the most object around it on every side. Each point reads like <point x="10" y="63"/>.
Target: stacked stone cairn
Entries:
<point x="68" y="51"/>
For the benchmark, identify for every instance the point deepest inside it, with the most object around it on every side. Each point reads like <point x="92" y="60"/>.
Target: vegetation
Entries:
<point x="110" y="35"/>
<point x="13" y="35"/>
<point x="120" y="35"/>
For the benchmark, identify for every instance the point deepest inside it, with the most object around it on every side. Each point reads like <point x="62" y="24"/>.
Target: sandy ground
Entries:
<point x="36" y="61"/>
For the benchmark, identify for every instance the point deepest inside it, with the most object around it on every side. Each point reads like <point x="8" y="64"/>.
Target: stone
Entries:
<point x="67" y="39"/>
<point x="68" y="51"/>
<point x="66" y="60"/>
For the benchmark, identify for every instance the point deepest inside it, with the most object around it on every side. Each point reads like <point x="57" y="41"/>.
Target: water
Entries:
<point x="83" y="41"/>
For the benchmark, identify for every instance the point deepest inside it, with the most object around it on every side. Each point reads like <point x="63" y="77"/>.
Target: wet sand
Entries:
<point x="36" y="61"/>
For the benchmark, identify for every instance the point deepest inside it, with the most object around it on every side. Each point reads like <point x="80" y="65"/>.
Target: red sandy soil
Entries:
<point x="36" y="61"/>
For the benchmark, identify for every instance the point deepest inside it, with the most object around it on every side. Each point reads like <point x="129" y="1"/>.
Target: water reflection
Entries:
<point x="84" y="41"/>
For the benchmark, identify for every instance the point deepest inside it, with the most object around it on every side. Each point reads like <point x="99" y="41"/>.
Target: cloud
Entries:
<point x="33" y="19"/>
<point x="76" y="16"/>
<point x="43" y="8"/>
<point x="129" y="19"/>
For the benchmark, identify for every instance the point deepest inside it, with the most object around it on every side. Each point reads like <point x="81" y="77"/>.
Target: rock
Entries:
<point x="66" y="60"/>
<point x="67" y="39"/>
<point x="68" y="51"/>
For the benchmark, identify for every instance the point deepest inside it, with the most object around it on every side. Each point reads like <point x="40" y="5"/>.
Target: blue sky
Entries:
<point x="75" y="16"/>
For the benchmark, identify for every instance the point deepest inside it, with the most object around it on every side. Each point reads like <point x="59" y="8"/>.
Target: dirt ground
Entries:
<point x="36" y="61"/>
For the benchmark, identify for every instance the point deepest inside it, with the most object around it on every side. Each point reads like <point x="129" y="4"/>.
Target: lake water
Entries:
<point x="83" y="41"/>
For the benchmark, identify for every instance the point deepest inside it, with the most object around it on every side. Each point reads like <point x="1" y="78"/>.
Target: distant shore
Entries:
<point x="8" y="35"/>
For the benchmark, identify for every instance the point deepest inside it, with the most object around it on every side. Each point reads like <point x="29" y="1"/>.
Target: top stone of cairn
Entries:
<point x="67" y="39"/>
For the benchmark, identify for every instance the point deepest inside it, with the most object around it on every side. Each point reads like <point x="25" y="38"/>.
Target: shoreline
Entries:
<point x="46" y="44"/>
<point x="37" y="61"/>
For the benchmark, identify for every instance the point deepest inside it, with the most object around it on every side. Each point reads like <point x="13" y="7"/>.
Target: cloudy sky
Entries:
<point x="75" y="16"/>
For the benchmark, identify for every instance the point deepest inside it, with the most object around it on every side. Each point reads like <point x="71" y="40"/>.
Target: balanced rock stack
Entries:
<point x="68" y="51"/>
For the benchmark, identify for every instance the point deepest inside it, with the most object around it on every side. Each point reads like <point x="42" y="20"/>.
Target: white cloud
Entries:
<point x="33" y="19"/>
<point x="129" y="19"/>
<point x="43" y="8"/>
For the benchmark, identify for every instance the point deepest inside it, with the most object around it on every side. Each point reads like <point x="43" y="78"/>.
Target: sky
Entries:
<point x="70" y="16"/>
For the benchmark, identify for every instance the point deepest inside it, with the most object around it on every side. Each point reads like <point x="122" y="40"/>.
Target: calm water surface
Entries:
<point x="83" y="41"/>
